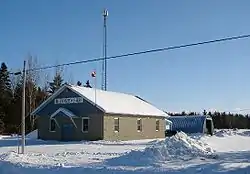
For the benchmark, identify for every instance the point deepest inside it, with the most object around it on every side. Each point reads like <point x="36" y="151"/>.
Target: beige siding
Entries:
<point x="95" y="128"/>
<point x="128" y="128"/>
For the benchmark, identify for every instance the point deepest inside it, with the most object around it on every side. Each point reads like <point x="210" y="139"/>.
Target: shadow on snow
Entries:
<point x="226" y="163"/>
<point x="10" y="141"/>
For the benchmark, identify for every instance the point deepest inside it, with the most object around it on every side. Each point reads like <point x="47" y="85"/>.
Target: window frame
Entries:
<point x="157" y="120"/>
<point x="85" y="118"/>
<point x="116" y="125"/>
<point x="139" y="130"/>
<point x="52" y="119"/>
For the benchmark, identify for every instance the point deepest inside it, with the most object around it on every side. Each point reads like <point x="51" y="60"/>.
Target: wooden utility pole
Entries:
<point x="23" y="108"/>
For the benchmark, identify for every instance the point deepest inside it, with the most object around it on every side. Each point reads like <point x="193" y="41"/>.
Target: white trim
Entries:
<point x="140" y="124"/>
<point x="85" y="118"/>
<point x="66" y="112"/>
<point x="117" y="118"/>
<point x="50" y="124"/>
<point x="170" y="122"/>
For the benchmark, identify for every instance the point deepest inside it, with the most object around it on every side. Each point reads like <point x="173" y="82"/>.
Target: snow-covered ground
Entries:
<point x="226" y="152"/>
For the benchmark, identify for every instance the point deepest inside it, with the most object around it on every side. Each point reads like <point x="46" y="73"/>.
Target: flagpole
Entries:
<point x="95" y="90"/>
<point x="93" y="74"/>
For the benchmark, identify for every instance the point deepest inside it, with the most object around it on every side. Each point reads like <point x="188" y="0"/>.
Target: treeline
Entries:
<point x="222" y="120"/>
<point x="11" y="87"/>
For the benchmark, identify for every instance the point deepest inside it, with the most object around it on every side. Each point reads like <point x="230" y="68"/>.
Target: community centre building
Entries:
<point x="75" y="113"/>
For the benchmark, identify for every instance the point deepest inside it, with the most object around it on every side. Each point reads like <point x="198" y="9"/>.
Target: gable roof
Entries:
<point x="111" y="102"/>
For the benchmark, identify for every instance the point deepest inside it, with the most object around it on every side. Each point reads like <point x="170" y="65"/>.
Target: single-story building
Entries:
<point x="79" y="113"/>
<point x="192" y="124"/>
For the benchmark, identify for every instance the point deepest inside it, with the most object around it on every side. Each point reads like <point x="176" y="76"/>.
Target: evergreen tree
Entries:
<point x="14" y="122"/>
<point x="5" y="93"/>
<point x="56" y="84"/>
<point x="79" y="83"/>
<point x="87" y="85"/>
<point x="41" y="96"/>
<point x="183" y="113"/>
<point x="2" y="127"/>
<point x="204" y="112"/>
<point x="5" y="85"/>
<point x="191" y="113"/>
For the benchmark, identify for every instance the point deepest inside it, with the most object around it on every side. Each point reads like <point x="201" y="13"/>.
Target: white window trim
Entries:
<point x="85" y="118"/>
<point x="140" y="125"/>
<point x="50" y="124"/>
<point x="118" y="125"/>
<point x="156" y="124"/>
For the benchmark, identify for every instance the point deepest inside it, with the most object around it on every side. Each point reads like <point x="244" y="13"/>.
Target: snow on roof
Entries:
<point x="118" y="103"/>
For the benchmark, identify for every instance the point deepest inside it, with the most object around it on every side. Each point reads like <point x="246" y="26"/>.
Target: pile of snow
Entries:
<point x="32" y="135"/>
<point x="178" y="147"/>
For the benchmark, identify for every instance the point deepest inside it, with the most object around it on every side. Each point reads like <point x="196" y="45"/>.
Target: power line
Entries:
<point x="142" y="52"/>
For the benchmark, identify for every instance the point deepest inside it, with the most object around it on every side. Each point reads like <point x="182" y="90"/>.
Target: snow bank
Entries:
<point x="231" y="132"/>
<point x="32" y="135"/>
<point x="4" y="136"/>
<point x="178" y="147"/>
<point x="225" y="132"/>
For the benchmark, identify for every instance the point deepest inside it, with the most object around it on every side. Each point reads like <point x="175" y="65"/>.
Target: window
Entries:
<point x="157" y="125"/>
<point x="52" y="125"/>
<point x="139" y="125"/>
<point x="116" y="124"/>
<point x="85" y="124"/>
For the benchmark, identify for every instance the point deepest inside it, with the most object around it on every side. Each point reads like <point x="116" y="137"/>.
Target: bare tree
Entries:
<point x="71" y="78"/>
<point x="32" y="79"/>
<point x="15" y="79"/>
<point x="45" y="82"/>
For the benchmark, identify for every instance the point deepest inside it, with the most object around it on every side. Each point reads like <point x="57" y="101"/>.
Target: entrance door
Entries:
<point x="209" y="126"/>
<point x="67" y="132"/>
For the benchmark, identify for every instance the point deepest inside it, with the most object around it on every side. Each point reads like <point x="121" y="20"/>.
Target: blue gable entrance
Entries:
<point x="67" y="99"/>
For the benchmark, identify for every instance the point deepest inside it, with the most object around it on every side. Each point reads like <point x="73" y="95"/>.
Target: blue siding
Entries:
<point x="79" y="109"/>
<point x="188" y="124"/>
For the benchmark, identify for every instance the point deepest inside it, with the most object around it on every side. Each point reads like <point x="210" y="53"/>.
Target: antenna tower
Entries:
<point x="104" y="63"/>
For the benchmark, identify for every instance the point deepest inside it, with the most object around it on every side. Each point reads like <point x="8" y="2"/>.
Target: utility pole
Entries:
<point x="104" y="65"/>
<point x="23" y="108"/>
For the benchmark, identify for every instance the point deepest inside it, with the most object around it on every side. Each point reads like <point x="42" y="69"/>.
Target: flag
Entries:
<point x="93" y="74"/>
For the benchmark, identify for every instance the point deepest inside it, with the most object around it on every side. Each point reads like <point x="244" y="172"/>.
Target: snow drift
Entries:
<point x="231" y="132"/>
<point x="178" y="147"/>
<point x="32" y="135"/>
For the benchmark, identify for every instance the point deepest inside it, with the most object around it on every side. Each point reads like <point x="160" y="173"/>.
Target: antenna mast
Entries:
<point x="104" y="64"/>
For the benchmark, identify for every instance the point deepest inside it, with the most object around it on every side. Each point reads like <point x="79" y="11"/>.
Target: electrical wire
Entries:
<point x="142" y="52"/>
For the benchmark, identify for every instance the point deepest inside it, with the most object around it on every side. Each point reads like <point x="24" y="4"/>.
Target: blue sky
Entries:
<point x="214" y="76"/>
